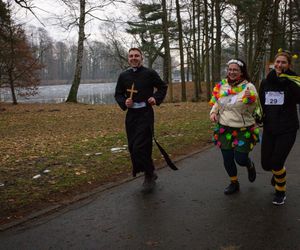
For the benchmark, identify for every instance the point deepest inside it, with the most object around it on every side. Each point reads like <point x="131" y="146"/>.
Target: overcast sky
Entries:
<point x="47" y="9"/>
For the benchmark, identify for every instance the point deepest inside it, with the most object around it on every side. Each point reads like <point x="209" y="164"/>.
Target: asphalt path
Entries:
<point x="187" y="210"/>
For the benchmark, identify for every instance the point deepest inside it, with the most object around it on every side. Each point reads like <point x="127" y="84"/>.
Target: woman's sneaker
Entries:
<point x="279" y="198"/>
<point x="251" y="172"/>
<point x="232" y="188"/>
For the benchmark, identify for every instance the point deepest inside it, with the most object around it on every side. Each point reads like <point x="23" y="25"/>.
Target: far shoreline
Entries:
<point x="69" y="82"/>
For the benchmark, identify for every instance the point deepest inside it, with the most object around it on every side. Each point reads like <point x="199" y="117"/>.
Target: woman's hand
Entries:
<point x="247" y="92"/>
<point x="214" y="117"/>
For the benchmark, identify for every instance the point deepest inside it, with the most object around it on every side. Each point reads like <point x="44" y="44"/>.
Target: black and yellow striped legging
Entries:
<point x="274" y="152"/>
<point x="280" y="180"/>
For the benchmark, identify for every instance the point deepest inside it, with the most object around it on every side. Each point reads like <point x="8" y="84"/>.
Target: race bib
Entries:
<point x="274" y="98"/>
<point x="231" y="99"/>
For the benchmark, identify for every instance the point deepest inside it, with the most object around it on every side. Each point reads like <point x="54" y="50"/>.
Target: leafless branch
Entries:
<point x="27" y="5"/>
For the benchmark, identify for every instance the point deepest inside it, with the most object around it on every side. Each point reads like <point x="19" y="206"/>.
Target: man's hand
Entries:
<point x="129" y="102"/>
<point x="152" y="101"/>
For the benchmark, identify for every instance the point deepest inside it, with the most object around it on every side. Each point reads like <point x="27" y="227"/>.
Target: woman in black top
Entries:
<point x="279" y="95"/>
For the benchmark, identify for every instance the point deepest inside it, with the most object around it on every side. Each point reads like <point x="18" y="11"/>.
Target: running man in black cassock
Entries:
<point x="138" y="89"/>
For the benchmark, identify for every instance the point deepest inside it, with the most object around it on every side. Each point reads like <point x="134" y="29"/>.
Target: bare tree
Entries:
<point x="118" y="44"/>
<point x="79" y="16"/>
<point x="181" y="50"/>
<point x="218" y="49"/>
<point x="167" y="55"/>
<point x="275" y="31"/>
<point x="207" y="64"/>
<point x="72" y="97"/>
<point x="28" y="5"/>
<point x="196" y="66"/>
<point x="19" y="67"/>
<point x="297" y="5"/>
<point x="263" y="28"/>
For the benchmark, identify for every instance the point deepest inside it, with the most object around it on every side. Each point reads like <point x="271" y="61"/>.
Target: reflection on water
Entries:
<point x="87" y="93"/>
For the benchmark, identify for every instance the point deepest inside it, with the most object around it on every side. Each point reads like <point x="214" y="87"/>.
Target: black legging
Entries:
<point x="275" y="149"/>
<point x="232" y="156"/>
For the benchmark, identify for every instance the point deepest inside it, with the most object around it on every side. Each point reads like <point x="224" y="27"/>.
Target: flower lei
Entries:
<point x="217" y="93"/>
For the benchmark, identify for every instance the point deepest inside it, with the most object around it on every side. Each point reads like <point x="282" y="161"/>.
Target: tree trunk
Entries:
<point x="275" y="32"/>
<point x="263" y="26"/>
<point x="291" y="25"/>
<point x="207" y="64"/>
<point x="167" y="56"/>
<point x="250" y="45"/>
<point x="212" y="34"/>
<point x="297" y="5"/>
<point x="180" y="37"/>
<point x="78" y="68"/>
<point x="218" y="48"/>
<point x="189" y="62"/>
<point x="12" y="88"/>
<point x="198" y="62"/>
<point x="237" y="31"/>
<point x="202" y="65"/>
<point x="195" y="64"/>
<point x="11" y="64"/>
<point x="246" y="35"/>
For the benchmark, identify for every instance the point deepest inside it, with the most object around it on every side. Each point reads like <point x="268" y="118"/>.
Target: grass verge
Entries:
<point x="50" y="152"/>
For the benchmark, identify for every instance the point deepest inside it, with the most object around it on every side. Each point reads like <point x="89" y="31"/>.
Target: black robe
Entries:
<point x="140" y="122"/>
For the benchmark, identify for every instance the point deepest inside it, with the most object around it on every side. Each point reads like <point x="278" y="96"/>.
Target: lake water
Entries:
<point x="97" y="93"/>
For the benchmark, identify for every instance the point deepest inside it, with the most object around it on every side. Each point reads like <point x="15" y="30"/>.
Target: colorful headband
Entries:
<point x="235" y="62"/>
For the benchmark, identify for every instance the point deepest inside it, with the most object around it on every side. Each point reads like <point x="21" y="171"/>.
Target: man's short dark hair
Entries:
<point x="135" y="49"/>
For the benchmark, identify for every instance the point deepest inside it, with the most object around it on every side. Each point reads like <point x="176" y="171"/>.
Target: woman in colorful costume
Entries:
<point x="233" y="102"/>
<point x="279" y="94"/>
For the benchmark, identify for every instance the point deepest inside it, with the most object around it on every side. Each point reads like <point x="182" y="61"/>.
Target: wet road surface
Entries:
<point x="187" y="210"/>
